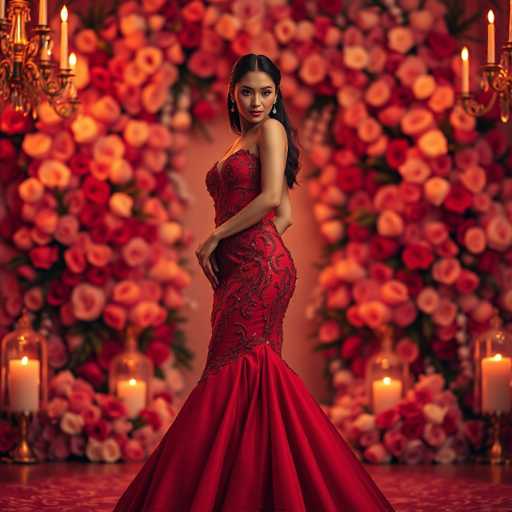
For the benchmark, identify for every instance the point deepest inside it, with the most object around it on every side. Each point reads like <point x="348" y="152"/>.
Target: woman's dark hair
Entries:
<point x="253" y="62"/>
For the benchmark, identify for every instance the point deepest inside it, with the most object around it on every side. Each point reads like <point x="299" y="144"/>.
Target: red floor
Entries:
<point x="75" y="487"/>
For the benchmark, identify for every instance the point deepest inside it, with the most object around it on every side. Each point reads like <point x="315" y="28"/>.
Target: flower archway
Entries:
<point x="411" y="196"/>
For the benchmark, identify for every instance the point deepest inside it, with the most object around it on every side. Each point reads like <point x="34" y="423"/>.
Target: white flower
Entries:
<point x="93" y="450"/>
<point x="71" y="423"/>
<point x="434" y="413"/>
<point x="110" y="451"/>
<point x="365" y="422"/>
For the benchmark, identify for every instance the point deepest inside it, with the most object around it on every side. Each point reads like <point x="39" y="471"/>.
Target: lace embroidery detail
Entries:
<point x="257" y="273"/>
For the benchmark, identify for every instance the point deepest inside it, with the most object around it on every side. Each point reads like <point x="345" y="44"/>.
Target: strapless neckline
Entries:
<point x="224" y="162"/>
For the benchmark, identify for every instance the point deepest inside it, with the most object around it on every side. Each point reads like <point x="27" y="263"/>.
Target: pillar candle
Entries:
<point x="133" y="395"/>
<point x="24" y="384"/>
<point x="465" y="70"/>
<point x="2" y="8"/>
<point x="491" y="55"/>
<point x="386" y="393"/>
<point x="43" y="13"/>
<point x="64" y="38"/>
<point x="496" y="383"/>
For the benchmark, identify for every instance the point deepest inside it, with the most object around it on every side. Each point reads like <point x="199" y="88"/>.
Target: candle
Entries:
<point x="386" y="393"/>
<point x="24" y="384"/>
<point x="465" y="70"/>
<point x="491" y="56"/>
<point x="496" y="383"/>
<point x="72" y="61"/>
<point x="510" y="21"/>
<point x="64" y="38"/>
<point x="2" y="8"/>
<point x="133" y="394"/>
<point x="43" y="13"/>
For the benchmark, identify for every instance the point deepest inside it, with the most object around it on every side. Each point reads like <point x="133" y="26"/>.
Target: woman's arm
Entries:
<point x="283" y="218"/>
<point x="272" y="153"/>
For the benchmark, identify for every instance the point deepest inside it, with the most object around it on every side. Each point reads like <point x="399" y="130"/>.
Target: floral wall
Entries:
<point x="410" y="194"/>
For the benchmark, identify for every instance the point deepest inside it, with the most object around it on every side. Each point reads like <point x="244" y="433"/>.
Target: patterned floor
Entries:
<point x="68" y="487"/>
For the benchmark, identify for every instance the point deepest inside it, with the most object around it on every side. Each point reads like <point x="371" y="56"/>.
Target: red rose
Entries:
<point x="358" y="233"/>
<point x="70" y="279"/>
<point x="109" y="349"/>
<point x="458" y="199"/>
<point x="121" y="270"/>
<point x="358" y="366"/>
<point x="451" y="422"/>
<point x="92" y="373"/>
<point x="413" y="426"/>
<point x="44" y="257"/>
<point x="467" y="282"/>
<point x="12" y="122"/>
<point x="350" y="179"/>
<point x="463" y="227"/>
<point x="350" y="347"/>
<point x="113" y="408"/>
<point x="443" y="74"/>
<point x="98" y="58"/>
<point x="158" y="352"/>
<point x="396" y="152"/>
<point x="100" y="233"/>
<point x="122" y="234"/>
<point x="498" y="142"/>
<point x="163" y="332"/>
<point x="442" y="45"/>
<point x="371" y="183"/>
<point x="58" y="293"/>
<point x="412" y="280"/>
<point x="414" y="212"/>
<point x="401" y="96"/>
<point x="165" y="395"/>
<point x="204" y="110"/>
<point x="417" y="256"/>
<point x="98" y="275"/>
<point x="98" y="430"/>
<point x="95" y="190"/>
<point x="91" y="215"/>
<point x="79" y="164"/>
<point x="190" y="35"/>
<point x="101" y="79"/>
<point x="382" y="248"/>
<point x="330" y="7"/>
<point x="495" y="172"/>
<point x="386" y="419"/>
<point x="474" y="431"/>
<point x="151" y="418"/>
<point x="7" y="150"/>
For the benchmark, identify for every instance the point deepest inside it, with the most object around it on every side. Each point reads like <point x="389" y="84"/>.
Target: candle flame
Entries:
<point x="498" y="357"/>
<point x="464" y="53"/>
<point x="132" y="382"/>
<point x="24" y="360"/>
<point x="64" y="13"/>
<point x="386" y="380"/>
<point x="72" y="60"/>
<point x="490" y="16"/>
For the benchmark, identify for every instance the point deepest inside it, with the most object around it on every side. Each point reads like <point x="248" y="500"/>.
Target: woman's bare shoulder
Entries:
<point x="270" y="130"/>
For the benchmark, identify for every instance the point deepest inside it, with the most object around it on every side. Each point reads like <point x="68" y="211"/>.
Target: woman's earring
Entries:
<point x="232" y="105"/>
<point x="274" y="110"/>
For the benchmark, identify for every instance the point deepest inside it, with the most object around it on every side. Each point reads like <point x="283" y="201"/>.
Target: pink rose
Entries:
<point x="329" y="331"/>
<point x="434" y="434"/>
<point x="395" y="442"/>
<point x="473" y="178"/>
<point x="147" y="313"/>
<point x="365" y="290"/>
<point x="31" y="190"/>
<point x="91" y="414"/>
<point x="445" y="313"/>
<point x="33" y="299"/>
<point x="499" y="233"/>
<point x="482" y="312"/>
<point x="77" y="446"/>
<point x="56" y="407"/>
<point x="135" y="252"/>
<point x="428" y="300"/>
<point x="414" y="452"/>
<point x="59" y="448"/>
<point x="79" y="401"/>
<point x="407" y="350"/>
<point x="388" y="197"/>
<point x="377" y="454"/>
<point x="71" y="423"/>
<point x="115" y="316"/>
<point x="394" y="292"/>
<point x="133" y="451"/>
<point x="87" y="301"/>
<point x="338" y="298"/>
<point x="75" y="259"/>
<point x="67" y="228"/>
<point x="390" y="224"/>
<point x="374" y="313"/>
<point x="435" y="232"/>
<point x="446" y="270"/>
<point x="404" y="314"/>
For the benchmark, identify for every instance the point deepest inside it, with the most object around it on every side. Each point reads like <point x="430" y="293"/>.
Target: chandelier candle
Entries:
<point x="43" y="13"/>
<point x="2" y="8"/>
<point x="64" y="38"/>
<point x="491" y="35"/>
<point x="465" y="70"/>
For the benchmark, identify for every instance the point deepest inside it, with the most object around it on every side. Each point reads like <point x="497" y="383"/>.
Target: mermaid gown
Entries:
<point x="250" y="437"/>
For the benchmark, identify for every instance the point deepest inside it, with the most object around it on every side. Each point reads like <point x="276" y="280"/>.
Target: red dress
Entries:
<point x="250" y="437"/>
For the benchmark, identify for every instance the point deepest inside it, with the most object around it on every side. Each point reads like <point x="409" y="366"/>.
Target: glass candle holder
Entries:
<point x="386" y="376"/>
<point x="130" y="375"/>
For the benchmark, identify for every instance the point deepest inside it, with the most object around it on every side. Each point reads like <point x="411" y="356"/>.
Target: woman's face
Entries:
<point x="254" y="96"/>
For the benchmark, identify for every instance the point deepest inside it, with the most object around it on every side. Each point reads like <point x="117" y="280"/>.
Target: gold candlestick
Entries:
<point x="22" y="453"/>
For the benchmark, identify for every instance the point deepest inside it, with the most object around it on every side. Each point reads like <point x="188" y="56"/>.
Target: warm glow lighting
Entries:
<point x="72" y="60"/>
<point x="24" y="360"/>
<point x="386" y="380"/>
<point x="490" y="16"/>
<point x="132" y="382"/>
<point x="464" y="53"/>
<point x="64" y="13"/>
<point x="498" y="357"/>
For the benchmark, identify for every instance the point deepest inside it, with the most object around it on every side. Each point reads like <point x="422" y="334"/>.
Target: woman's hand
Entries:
<point x="206" y="257"/>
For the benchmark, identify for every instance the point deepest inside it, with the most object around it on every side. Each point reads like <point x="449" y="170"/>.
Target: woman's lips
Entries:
<point x="256" y="112"/>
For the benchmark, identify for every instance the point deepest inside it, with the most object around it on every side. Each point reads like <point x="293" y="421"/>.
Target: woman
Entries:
<point x="250" y="437"/>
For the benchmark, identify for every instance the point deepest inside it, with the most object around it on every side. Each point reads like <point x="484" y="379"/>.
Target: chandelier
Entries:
<point x="496" y="77"/>
<point x="28" y="75"/>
